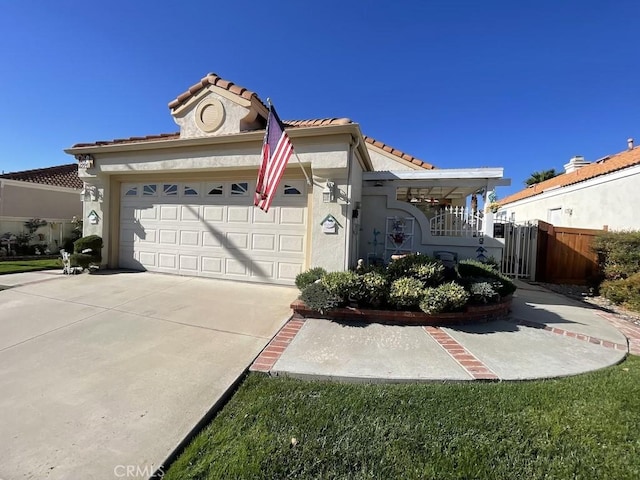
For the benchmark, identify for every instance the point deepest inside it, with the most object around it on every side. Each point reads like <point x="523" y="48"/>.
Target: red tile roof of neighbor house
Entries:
<point x="608" y="164"/>
<point x="59" y="176"/>
<point x="213" y="79"/>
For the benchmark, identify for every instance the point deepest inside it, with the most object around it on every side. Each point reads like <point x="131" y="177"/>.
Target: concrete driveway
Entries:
<point x="101" y="376"/>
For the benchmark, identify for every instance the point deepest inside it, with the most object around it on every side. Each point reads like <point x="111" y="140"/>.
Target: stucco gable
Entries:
<point x="214" y="107"/>
<point x="385" y="157"/>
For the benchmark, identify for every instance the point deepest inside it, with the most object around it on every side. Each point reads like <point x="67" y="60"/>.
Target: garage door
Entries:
<point x="212" y="229"/>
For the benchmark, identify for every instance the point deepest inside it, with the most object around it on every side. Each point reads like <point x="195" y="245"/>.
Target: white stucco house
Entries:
<point x="51" y="194"/>
<point x="182" y="203"/>
<point x="593" y="195"/>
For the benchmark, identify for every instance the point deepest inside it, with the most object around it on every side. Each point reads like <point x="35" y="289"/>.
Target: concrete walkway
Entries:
<point x="546" y="335"/>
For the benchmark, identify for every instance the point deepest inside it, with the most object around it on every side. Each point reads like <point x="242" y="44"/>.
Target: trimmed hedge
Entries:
<point x="618" y="254"/>
<point x="625" y="291"/>
<point x="473" y="268"/>
<point x="305" y="279"/>
<point x="448" y="297"/>
<point x="318" y="298"/>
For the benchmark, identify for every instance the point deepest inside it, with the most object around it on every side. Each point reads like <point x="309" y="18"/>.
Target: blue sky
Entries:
<point x="523" y="85"/>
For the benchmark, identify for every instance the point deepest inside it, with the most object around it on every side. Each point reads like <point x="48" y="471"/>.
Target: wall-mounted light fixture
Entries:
<point x="329" y="192"/>
<point x="85" y="160"/>
<point x="89" y="192"/>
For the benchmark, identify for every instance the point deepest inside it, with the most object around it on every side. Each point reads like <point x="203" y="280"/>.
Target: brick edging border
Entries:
<point x="268" y="357"/>
<point x="463" y="357"/>
<point x="472" y="314"/>
<point x="567" y="333"/>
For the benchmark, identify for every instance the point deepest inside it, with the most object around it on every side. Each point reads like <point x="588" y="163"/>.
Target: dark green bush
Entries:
<point x="343" y="285"/>
<point x="90" y="242"/>
<point x="618" y="253"/>
<point x="305" y="279"/>
<point x="448" y="297"/>
<point x="625" y="291"/>
<point x="473" y="268"/>
<point x="405" y="266"/>
<point x="87" y="251"/>
<point x="483" y="292"/>
<point x="318" y="298"/>
<point x="371" y="290"/>
<point x="82" y="260"/>
<point x="405" y="293"/>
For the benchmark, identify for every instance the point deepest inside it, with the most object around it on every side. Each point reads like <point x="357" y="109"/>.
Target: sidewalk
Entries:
<point x="546" y="335"/>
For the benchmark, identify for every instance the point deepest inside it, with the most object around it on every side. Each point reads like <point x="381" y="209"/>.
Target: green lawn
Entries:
<point x="29" y="265"/>
<point x="584" y="427"/>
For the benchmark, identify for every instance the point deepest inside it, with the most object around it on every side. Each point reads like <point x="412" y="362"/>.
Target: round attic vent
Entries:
<point x="209" y="115"/>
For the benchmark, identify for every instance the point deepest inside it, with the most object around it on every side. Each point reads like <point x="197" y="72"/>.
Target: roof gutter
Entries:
<point x="244" y="137"/>
<point x="441" y="173"/>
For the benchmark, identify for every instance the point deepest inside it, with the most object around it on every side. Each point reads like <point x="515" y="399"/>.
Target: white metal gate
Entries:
<point x="519" y="253"/>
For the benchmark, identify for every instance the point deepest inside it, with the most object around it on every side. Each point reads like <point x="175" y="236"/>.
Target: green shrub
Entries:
<point x="405" y="293"/>
<point x="318" y="298"/>
<point x="87" y="251"/>
<point x="304" y="279"/>
<point x="618" y="253"/>
<point x="448" y="297"/>
<point x="430" y="274"/>
<point x="90" y="242"/>
<point x="343" y="285"/>
<point x="373" y="289"/>
<point x="402" y="267"/>
<point x="473" y="268"/>
<point x="483" y="292"/>
<point x="625" y="291"/>
<point x="82" y="260"/>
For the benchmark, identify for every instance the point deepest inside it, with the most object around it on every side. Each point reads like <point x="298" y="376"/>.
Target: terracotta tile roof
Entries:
<point x="60" y="176"/>
<point x="147" y="138"/>
<point x="213" y="79"/>
<point x="398" y="153"/>
<point x="609" y="164"/>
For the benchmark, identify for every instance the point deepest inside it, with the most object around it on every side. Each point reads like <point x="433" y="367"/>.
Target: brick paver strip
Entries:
<point x="278" y="344"/>
<point x="629" y="329"/>
<point x="472" y="365"/>
<point x="566" y="333"/>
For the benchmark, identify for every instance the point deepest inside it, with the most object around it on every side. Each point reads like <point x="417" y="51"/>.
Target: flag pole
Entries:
<point x="306" y="175"/>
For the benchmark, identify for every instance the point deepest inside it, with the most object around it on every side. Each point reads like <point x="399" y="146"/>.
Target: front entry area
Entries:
<point x="212" y="229"/>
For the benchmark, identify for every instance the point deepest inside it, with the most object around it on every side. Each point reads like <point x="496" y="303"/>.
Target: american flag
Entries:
<point x="276" y="152"/>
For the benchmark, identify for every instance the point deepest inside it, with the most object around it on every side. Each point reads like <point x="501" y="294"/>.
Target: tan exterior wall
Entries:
<point x="608" y="200"/>
<point x="37" y="202"/>
<point x="383" y="163"/>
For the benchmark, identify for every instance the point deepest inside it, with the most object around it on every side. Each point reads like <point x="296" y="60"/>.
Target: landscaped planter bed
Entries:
<point x="472" y="314"/>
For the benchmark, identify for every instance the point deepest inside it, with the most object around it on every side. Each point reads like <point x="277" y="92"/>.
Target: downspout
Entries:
<point x="349" y="221"/>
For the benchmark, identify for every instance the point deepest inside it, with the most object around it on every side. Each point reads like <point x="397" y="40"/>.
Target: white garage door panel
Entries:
<point x="219" y="235"/>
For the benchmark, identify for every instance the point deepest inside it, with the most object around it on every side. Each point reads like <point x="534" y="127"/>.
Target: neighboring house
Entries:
<point x="51" y="194"/>
<point x="183" y="202"/>
<point x="593" y="195"/>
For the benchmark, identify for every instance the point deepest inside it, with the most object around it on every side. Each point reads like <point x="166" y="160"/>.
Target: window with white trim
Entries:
<point x="190" y="191"/>
<point x="215" y="189"/>
<point x="132" y="191"/>
<point x="150" y="190"/>
<point x="240" y="188"/>
<point x="170" y="189"/>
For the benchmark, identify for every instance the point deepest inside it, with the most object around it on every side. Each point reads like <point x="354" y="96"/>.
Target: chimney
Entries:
<point x="630" y="143"/>
<point x="575" y="163"/>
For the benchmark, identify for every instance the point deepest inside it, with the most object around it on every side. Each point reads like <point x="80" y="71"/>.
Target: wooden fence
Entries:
<point x="564" y="254"/>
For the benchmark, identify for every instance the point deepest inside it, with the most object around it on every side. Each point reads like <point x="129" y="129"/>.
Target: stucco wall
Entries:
<point x="37" y="202"/>
<point x="379" y="203"/>
<point x="382" y="162"/>
<point x="233" y="114"/>
<point x="608" y="200"/>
